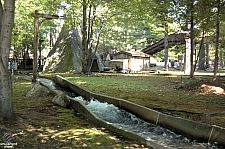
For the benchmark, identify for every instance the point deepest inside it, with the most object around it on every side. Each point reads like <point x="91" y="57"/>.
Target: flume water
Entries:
<point x="130" y="122"/>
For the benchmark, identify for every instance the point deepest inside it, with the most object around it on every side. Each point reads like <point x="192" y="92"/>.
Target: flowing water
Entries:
<point x="120" y="118"/>
<point x="130" y="122"/>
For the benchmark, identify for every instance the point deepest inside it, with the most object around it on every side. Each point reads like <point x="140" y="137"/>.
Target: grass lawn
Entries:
<point x="38" y="123"/>
<point x="160" y="92"/>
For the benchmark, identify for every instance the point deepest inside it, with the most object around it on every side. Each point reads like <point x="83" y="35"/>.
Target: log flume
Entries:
<point x="173" y="39"/>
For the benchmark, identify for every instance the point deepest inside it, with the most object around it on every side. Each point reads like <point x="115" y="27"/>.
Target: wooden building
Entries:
<point x="132" y="60"/>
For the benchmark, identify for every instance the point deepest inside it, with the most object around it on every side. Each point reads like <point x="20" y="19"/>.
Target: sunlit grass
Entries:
<point x="154" y="91"/>
<point x="47" y="124"/>
<point x="41" y="123"/>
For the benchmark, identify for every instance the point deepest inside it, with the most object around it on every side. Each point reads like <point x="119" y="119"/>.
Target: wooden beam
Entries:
<point x="37" y="26"/>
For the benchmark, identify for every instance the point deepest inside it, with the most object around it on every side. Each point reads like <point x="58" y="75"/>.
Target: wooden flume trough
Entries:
<point x="192" y="129"/>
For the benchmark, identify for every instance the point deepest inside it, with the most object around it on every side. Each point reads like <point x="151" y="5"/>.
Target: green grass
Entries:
<point x="137" y="89"/>
<point x="39" y="123"/>
<point x="155" y="91"/>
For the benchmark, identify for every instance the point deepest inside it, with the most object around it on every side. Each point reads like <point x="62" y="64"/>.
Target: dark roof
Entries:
<point x="173" y="39"/>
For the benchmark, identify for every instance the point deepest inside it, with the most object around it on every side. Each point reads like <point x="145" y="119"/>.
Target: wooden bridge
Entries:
<point x="173" y="39"/>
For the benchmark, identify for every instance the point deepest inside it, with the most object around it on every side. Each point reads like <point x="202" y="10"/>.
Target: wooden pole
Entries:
<point x="36" y="30"/>
<point x="37" y="26"/>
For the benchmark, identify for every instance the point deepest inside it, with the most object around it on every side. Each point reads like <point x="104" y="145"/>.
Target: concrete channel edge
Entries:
<point x="186" y="127"/>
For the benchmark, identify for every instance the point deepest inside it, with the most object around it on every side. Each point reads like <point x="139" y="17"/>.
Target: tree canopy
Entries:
<point x="108" y="26"/>
<point x="121" y="24"/>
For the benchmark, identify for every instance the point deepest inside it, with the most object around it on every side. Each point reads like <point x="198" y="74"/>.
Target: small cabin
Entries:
<point x="132" y="60"/>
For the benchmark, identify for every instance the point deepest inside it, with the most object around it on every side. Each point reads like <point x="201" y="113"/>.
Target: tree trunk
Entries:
<point x="192" y="38"/>
<point x="199" y="53"/>
<point x="51" y="39"/>
<point x="221" y="58"/>
<point x="6" y="107"/>
<point x="207" y="55"/>
<point x="90" y="31"/>
<point x="216" y="51"/>
<point x="90" y="36"/>
<point x="217" y="42"/>
<point x="84" y="40"/>
<point x="201" y="62"/>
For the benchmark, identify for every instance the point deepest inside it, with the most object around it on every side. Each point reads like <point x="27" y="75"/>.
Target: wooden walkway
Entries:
<point x="173" y="39"/>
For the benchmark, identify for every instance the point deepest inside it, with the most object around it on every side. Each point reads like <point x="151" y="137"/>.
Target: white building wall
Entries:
<point x="135" y="64"/>
<point x="138" y="64"/>
<point x="126" y="64"/>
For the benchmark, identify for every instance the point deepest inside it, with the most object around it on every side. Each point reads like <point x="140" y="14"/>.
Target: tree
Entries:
<point x="212" y="19"/>
<point x="191" y="30"/>
<point x="219" y="12"/>
<point x="7" y="22"/>
<point x="92" y="23"/>
<point x="24" y="24"/>
<point x="124" y="25"/>
<point x="222" y="46"/>
<point x="84" y="38"/>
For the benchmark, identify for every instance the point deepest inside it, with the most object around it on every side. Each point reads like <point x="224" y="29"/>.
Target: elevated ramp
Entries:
<point x="173" y="39"/>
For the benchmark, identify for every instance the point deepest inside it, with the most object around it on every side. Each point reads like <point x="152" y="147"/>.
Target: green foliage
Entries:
<point x="122" y="24"/>
<point x="24" y="22"/>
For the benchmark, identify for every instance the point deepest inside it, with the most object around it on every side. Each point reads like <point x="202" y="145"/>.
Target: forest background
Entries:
<point x="110" y="27"/>
<point x="107" y="26"/>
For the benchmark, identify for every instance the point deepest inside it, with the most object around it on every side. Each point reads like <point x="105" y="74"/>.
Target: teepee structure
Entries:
<point x="65" y="55"/>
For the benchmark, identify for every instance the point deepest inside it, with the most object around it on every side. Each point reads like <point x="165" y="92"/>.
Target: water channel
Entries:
<point x="127" y="121"/>
<point x="130" y="122"/>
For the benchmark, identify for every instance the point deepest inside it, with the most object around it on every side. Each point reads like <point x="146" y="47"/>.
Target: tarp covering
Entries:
<point x="65" y="55"/>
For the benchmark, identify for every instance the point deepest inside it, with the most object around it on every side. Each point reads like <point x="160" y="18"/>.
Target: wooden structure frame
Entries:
<point x="173" y="39"/>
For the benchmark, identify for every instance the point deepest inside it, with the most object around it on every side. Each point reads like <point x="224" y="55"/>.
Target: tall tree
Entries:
<point x="22" y="38"/>
<point x="7" y="23"/>
<point x="210" y="15"/>
<point x="216" y="44"/>
<point x="165" y="13"/>
<point x="191" y="29"/>
<point x="222" y="46"/>
<point x="219" y="12"/>
<point x="84" y="39"/>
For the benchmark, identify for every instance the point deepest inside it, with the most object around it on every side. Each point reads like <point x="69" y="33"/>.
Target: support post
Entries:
<point x="37" y="26"/>
<point x="36" y="30"/>
<point x="166" y="63"/>
<point x="188" y="56"/>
